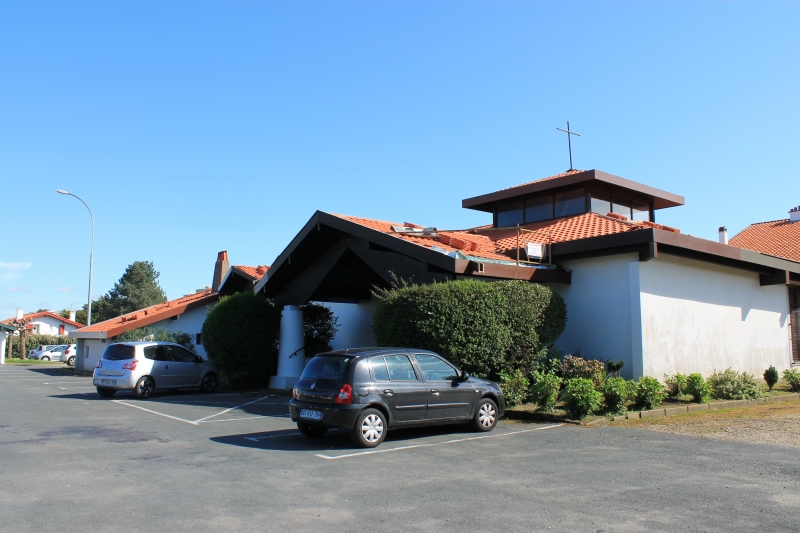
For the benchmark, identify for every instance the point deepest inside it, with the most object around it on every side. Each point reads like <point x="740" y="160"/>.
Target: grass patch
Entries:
<point x="17" y="361"/>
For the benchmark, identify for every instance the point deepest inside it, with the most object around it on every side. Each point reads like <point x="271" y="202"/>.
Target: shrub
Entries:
<point x="515" y="387"/>
<point x="240" y="336"/>
<point x="580" y="398"/>
<point x="578" y="367"/>
<point x="771" y="376"/>
<point x="545" y="390"/>
<point x="792" y="377"/>
<point x="319" y="328"/>
<point x="33" y="341"/>
<point x="484" y="328"/>
<point x="697" y="387"/>
<point x="675" y="385"/>
<point x="615" y="394"/>
<point x="731" y="385"/>
<point x="649" y="393"/>
<point x="613" y="367"/>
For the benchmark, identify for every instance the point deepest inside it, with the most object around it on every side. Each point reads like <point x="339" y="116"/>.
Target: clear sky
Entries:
<point x="194" y="127"/>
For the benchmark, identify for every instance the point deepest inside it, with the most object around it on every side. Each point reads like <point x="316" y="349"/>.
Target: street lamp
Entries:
<point x="91" y="256"/>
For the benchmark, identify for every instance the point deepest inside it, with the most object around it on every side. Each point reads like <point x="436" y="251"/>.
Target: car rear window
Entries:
<point x="119" y="352"/>
<point x="330" y="368"/>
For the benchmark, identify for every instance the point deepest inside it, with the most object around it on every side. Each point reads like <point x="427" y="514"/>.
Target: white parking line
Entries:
<point x="229" y="419"/>
<point x="453" y="441"/>
<point x="230" y="409"/>
<point x="273" y="436"/>
<point x="66" y="388"/>
<point x="155" y="412"/>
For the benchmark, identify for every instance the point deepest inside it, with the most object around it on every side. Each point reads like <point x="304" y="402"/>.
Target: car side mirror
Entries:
<point x="463" y="376"/>
<point x="198" y="359"/>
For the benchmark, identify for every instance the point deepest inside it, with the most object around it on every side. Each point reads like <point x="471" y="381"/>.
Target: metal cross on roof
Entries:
<point x="569" y="142"/>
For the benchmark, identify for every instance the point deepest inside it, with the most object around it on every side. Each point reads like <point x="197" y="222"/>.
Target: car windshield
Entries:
<point x="327" y="368"/>
<point x="118" y="352"/>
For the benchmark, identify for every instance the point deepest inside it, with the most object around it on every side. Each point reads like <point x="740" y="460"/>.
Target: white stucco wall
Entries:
<point x="47" y="325"/>
<point x="600" y="302"/>
<point x="90" y="351"/>
<point x="699" y="317"/>
<point x="355" y="329"/>
<point x="190" y="322"/>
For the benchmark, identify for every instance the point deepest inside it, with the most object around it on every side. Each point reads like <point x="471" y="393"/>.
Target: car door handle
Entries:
<point x="388" y="392"/>
<point x="167" y="367"/>
<point x="435" y="391"/>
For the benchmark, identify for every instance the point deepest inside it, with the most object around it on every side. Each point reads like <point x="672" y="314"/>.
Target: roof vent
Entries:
<point x="794" y="214"/>
<point x="417" y="231"/>
<point x="723" y="235"/>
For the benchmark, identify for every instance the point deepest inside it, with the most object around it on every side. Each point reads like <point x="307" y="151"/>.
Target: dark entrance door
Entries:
<point x="794" y="322"/>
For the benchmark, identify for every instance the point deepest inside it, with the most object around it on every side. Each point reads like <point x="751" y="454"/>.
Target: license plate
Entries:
<point x="109" y="382"/>
<point x="308" y="413"/>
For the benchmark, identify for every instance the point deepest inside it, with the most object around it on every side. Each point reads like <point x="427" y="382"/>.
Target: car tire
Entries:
<point x="71" y="361"/>
<point x="209" y="383"/>
<point x="45" y="358"/>
<point x="485" y="418"/>
<point x="312" y="432"/>
<point x="105" y="392"/>
<point x="144" y="388"/>
<point x="370" y="428"/>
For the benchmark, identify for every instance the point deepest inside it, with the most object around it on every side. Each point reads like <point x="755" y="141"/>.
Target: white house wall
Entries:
<point x="355" y="324"/>
<point x="48" y="325"/>
<point x="90" y="351"/>
<point x="699" y="317"/>
<point x="600" y="303"/>
<point x="189" y="322"/>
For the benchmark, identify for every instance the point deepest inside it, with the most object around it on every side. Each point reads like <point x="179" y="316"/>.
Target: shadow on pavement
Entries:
<point x="64" y="371"/>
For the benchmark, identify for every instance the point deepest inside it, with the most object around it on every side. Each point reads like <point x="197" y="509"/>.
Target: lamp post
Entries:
<point x="91" y="256"/>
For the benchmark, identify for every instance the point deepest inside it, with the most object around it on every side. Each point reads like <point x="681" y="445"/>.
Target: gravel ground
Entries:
<point x="777" y="424"/>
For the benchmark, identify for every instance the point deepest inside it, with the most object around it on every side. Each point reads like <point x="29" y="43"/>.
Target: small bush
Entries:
<point x="577" y="367"/>
<point x="545" y="391"/>
<point x="649" y="393"/>
<point x="580" y="398"/>
<point x="792" y="377"/>
<point x="731" y="385"/>
<point x="675" y="385"/>
<point x="771" y="376"/>
<point x="515" y="387"/>
<point x="613" y="367"/>
<point x="697" y="387"/>
<point x="615" y="394"/>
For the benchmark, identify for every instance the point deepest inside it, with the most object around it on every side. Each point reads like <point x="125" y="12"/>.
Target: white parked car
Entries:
<point x="62" y="352"/>
<point x="39" y="350"/>
<point x="144" y="367"/>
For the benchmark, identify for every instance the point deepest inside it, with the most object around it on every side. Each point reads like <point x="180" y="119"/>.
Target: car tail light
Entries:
<point x="345" y="395"/>
<point x="130" y="366"/>
<point x="67" y="352"/>
<point x="99" y="364"/>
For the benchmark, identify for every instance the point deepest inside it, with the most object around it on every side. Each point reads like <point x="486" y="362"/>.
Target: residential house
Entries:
<point x="47" y="323"/>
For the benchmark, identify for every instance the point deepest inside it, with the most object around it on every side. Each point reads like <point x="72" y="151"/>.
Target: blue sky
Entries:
<point x="195" y="127"/>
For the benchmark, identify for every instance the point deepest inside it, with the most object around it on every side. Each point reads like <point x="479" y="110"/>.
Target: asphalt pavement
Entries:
<point x="186" y="461"/>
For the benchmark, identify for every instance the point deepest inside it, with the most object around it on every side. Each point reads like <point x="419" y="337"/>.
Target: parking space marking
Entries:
<point x="231" y="419"/>
<point x="230" y="409"/>
<point x="66" y="388"/>
<point x="155" y="412"/>
<point x="453" y="441"/>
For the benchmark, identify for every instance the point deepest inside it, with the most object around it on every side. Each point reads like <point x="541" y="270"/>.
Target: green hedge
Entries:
<point x="33" y="341"/>
<point x="485" y="328"/>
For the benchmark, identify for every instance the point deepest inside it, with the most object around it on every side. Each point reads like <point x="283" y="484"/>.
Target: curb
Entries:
<point x="728" y="404"/>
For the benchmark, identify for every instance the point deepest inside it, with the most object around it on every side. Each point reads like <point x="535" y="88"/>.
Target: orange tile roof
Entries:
<point x="31" y="316"/>
<point x="548" y="178"/>
<point x="150" y="315"/>
<point x="780" y="238"/>
<point x="254" y="272"/>
<point x="500" y="244"/>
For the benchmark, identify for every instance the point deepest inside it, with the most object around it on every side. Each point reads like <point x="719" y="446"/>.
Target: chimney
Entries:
<point x="20" y="314"/>
<point x="72" y="315"/>
<point x="723" y="235"/>
<point x="794" y="214"/>
<point x="220" y="270"/>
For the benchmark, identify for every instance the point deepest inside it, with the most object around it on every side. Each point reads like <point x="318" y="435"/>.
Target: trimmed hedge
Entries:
<point x="485" y="328"/>
<point x="240" y="335"/>
<point x="33" y="341"/>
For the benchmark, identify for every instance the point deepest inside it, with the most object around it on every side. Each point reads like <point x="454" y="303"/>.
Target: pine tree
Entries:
<point x="136" y="289"/>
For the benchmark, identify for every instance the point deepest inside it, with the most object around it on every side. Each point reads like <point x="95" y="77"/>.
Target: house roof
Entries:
<point x="6" y="327"/>
<point x="32" y="316"/>
<point x="240" y="277"/>
<point x="145" y="317"/>
<point x="660" y="199"/>
<point x="256" y="272"/>
<point x="780" y="238"/>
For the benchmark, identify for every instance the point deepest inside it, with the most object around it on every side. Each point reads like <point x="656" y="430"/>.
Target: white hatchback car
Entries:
<point x="144" y="367"/>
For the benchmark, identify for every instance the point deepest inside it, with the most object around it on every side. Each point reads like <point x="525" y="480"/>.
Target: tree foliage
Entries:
<point x="485" y="328"/>
<point x="136" y="289"/>
<point x="240" y="336"/>
<point x="319" y="328"/>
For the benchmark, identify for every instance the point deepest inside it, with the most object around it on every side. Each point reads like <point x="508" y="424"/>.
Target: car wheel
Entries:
<point x="45" y="358"/>
<point x="210" y="382"/>
<point x="105" y="392"/>
<point x="370" y="429"/>
<point x="144" y="388"/>
<point x="312" y="432"/>
<point x="71" y="361"/>
<point x="485" y="415"/>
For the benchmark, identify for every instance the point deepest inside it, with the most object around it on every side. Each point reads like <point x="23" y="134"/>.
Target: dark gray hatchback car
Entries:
<point x="368" y="391"/>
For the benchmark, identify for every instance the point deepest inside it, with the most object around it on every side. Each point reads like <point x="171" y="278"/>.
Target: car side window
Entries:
<point x="150" y="352"/>
<point x="161" y="354"/>
<point x="379" y="369"/>
<point x="434" y="369"/>
<point x="400" y="368"/>
<point x="178" y="354"/>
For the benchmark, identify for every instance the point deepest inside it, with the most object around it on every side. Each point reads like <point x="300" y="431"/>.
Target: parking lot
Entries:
<point x="186" y="461"/>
